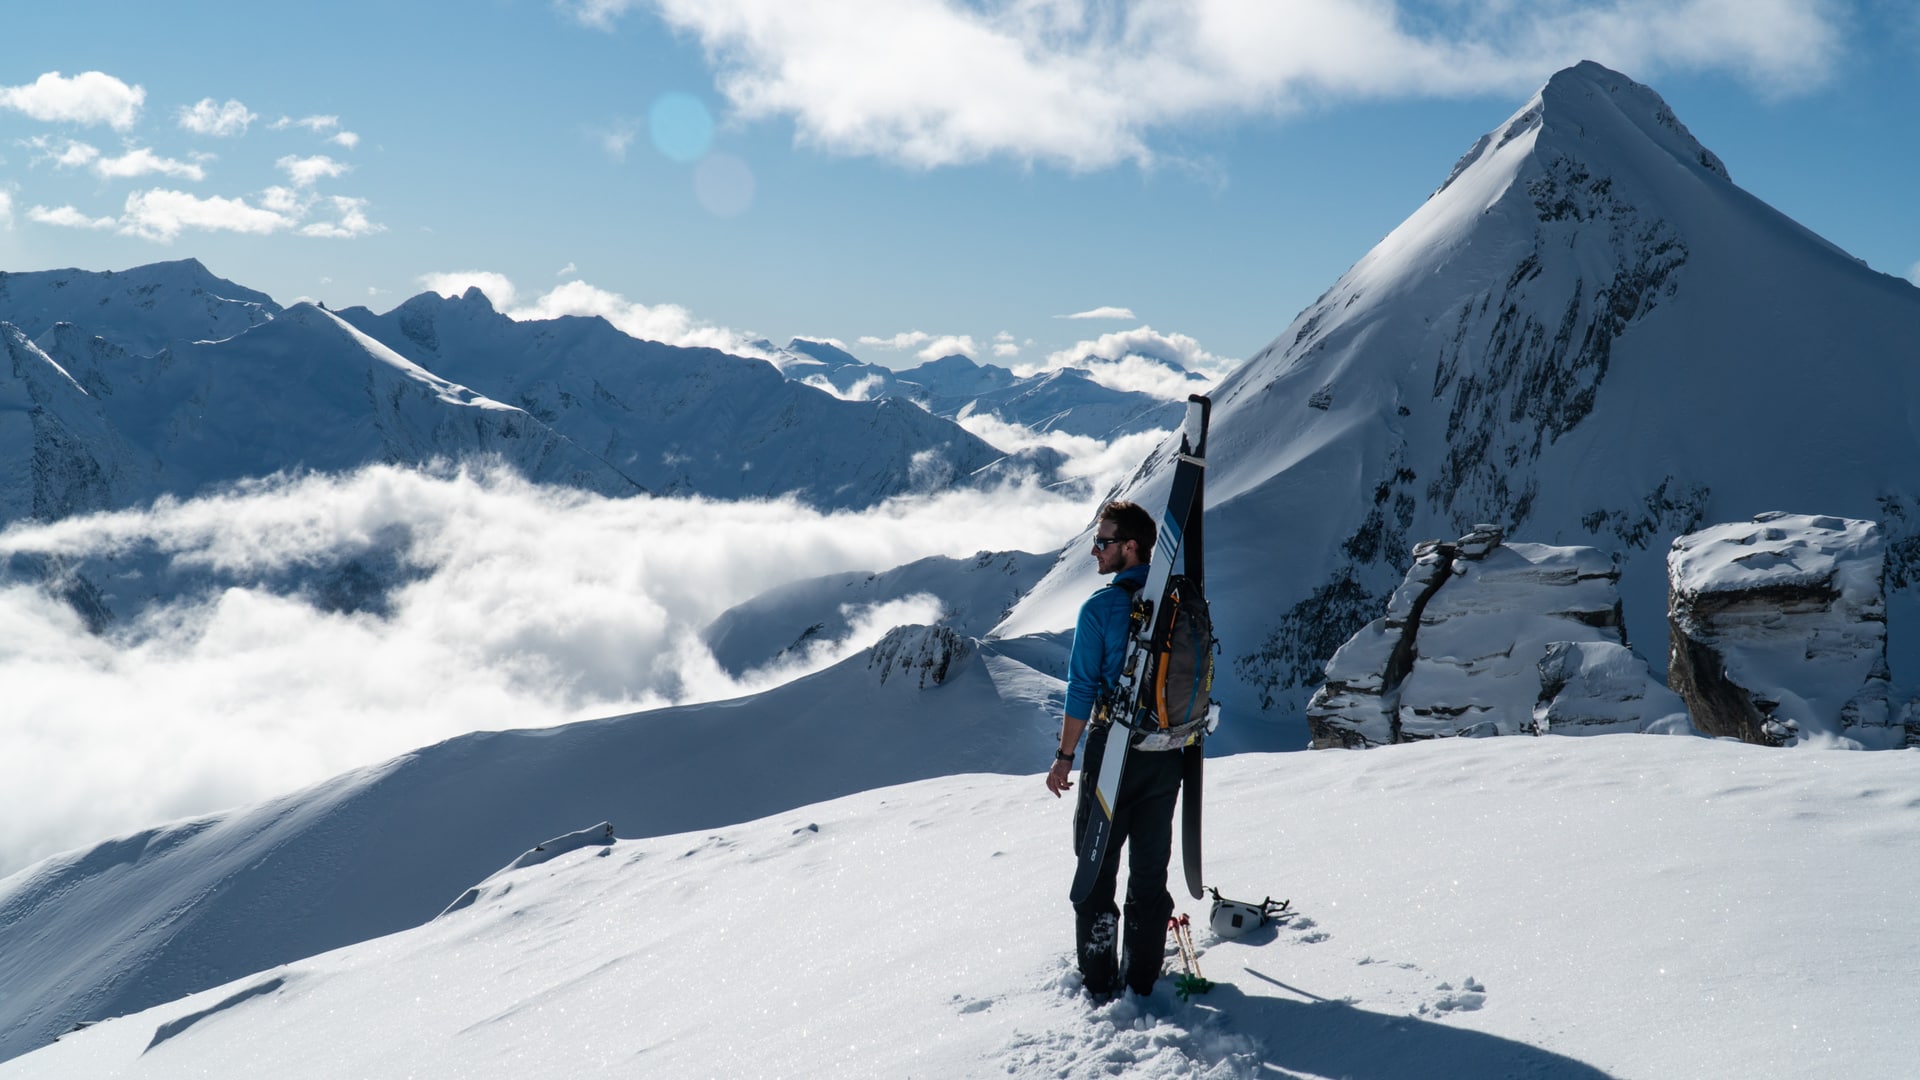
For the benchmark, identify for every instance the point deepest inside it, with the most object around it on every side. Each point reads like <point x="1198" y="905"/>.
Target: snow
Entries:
<point x="1620" y="906"/>
<point x="858" y="873"/>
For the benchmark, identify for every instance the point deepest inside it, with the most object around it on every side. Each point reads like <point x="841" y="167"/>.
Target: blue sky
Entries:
<point x="908" y="177"/>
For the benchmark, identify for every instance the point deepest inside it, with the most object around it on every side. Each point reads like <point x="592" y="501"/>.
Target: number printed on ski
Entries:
<point x="1177" y="544"/>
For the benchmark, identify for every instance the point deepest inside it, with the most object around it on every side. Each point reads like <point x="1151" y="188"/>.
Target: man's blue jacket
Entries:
<point x="1100" y="643"/>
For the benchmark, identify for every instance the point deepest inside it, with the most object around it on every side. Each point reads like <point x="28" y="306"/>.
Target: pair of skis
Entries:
<point x="1177" y="544"/>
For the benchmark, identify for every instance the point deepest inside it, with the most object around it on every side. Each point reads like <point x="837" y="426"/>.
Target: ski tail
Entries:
<point x="1192" y="766"/>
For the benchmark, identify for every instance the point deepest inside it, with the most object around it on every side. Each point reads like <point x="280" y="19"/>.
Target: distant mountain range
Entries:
<point x="1062" y="399"/>
<point x="122" y="386"/>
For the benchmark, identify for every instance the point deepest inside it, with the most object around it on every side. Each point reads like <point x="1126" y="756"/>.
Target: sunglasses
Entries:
<point x="1102" y="543"/>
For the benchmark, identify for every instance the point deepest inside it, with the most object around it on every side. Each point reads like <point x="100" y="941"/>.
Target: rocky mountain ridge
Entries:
<point x="121" y="386"/>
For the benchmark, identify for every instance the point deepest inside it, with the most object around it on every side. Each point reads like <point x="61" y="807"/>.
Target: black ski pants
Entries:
<point x="1143" y="824"/>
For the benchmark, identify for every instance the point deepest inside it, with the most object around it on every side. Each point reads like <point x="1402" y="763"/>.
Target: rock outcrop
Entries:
<point x="1779" y="630"/>
<point x="1490" y="638"/>
<point x="926" y="654"/>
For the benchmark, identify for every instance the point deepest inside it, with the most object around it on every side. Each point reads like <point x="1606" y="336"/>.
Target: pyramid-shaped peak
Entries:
<point x="1593" y="114"/>
<point x="1585" y="100"/>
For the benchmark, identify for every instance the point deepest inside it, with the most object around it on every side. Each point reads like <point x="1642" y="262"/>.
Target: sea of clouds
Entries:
<point x="512" y="605"/>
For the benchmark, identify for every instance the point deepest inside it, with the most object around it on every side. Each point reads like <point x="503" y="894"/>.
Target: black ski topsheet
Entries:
<point x="1191" y="768"/>
<point x="1177" y="544"/>
<point x="1193" y="765"/>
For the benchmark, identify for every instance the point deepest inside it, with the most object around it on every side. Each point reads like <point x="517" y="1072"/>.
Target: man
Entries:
<point x="1143" y="807"/>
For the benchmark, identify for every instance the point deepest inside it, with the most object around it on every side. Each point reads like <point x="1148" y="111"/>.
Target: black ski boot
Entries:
<point x="1099" y="967"/>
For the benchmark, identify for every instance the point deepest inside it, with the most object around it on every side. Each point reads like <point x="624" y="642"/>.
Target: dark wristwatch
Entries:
<point x="1059" y="755"/>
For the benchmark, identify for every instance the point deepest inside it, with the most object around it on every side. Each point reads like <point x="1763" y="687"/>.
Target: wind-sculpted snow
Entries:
<point x="1589" y="336"/>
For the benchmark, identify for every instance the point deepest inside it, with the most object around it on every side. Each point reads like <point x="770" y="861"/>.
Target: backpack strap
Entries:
<point x="1103" y="704"/>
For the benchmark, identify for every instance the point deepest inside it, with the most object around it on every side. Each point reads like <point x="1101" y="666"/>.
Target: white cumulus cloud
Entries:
<point x="144" y="162"/>
<point x="307" y="171"/>
<point x="671" y="324"/>
<point x="69" y="217"/>
<point x="454" y="284"/>
<point x="930" y="346"/>
<point x="1168" y="366"/>
<point x="63" y="153"/>
<point x="1101" y="313"/>
<point x="668" y="323"/>
<point x="162" y="215"/>
<point x="91" y="97"/>
<point x="316" y="124"/>
<point x="1088" y="84"/>
<point x="222" y="120"/>
<point x="350" y="220"/>
<point x="906" y="339"/>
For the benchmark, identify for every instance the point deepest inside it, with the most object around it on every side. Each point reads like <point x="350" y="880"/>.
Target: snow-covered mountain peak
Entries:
<point x="474" y="298"/>
<point x="141" y="309"/>
<point x="1589" y="336"/>
<point x="1588" y="102"/>
<point x="823" y="351"/>
<point x="1586" y="111"/>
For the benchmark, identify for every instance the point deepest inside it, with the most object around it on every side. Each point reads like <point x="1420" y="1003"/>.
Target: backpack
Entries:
<point x="1177" y="681"/>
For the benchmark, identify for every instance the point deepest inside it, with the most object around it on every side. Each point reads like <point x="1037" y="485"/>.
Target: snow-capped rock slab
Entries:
<point x="1598" y="687"/>
<point x="1779" y="629"/>
<point x="1490" y="638"/>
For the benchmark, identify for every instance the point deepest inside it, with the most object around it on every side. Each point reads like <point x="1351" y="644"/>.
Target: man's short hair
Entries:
<point x="1131" y="522"/>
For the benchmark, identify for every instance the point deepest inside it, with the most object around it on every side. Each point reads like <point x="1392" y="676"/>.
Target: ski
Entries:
<point x="1191" y="767"/>
<point x="1182" y="517"/>
<point x="1193" y="758"/>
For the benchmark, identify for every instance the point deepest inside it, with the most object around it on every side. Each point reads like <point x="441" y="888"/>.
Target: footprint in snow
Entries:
<point x="1469" y="996"/>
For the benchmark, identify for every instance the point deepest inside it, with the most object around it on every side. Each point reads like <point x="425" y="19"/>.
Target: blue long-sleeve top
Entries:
<point x="1100" y="643"/>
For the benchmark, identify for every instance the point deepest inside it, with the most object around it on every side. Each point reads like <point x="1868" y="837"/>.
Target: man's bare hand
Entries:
<point x="1060" y="778"/>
